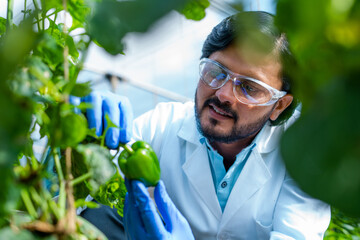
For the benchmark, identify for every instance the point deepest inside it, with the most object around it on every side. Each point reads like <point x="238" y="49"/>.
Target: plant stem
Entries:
<point x="52" y="28"/>
<point x="127" y="148"/>
<point x="42" y="202"/>
<point x="24" y="10"/>
<point x="28" y="203"/>
<point x="36" y="5"/>
<point x="62" y="194"/>
<point x="9" y="21"/>
<point x="81" y="178"/>
<point x="71" y="214"/>
<point x="43" y="14"/>
<point x="51" y="203"/>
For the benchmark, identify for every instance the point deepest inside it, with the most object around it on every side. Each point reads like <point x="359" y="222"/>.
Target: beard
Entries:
<point x="236" y="133"/>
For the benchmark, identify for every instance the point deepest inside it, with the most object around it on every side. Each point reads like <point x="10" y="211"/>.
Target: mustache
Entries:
<point x="223" y="106"/>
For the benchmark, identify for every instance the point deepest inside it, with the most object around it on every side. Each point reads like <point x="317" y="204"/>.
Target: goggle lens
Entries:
<point x="246" y="90"/>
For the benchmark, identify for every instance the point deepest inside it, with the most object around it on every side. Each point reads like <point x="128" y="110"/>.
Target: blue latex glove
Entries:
<point x="141" y="220"/>
<point x="119" y="111"/>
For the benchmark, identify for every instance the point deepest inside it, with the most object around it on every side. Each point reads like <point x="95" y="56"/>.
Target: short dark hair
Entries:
<point x="235" y="27"/>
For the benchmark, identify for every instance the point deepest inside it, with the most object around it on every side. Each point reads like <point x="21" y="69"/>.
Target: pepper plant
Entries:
<point x="40" y="59"/>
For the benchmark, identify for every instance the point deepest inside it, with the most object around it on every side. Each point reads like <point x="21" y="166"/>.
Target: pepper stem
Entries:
<point x="127" y="148"/>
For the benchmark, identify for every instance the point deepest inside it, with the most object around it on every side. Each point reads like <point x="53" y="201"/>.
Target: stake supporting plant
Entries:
<point x="9" y="21"/>
<point x="71" y="213"/>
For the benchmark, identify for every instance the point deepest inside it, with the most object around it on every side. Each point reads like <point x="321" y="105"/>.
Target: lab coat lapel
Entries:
<point x="197" y="169"/>
<point x="197" y="166"/>
<point x="253" y="176"/>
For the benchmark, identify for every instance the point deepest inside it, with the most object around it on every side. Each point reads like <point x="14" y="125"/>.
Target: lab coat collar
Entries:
<point x="197" y="166"/>
<point x="252" y="178"/>
<point x="188" y="131"/>
<point x="268" y="138"/>
<point x="197" y="169"/>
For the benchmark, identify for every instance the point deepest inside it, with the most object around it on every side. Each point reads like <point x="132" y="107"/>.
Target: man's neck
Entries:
<point x="229" y="150"/>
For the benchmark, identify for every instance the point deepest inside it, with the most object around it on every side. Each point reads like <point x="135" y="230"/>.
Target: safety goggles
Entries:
<point x="246" y="89"/>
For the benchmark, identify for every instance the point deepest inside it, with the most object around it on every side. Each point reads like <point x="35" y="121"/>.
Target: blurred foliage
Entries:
<point x="16" y="120"/>
<point x="195" y="10"/>
<point x="40" y="60"/>
<point x="322" y="149"/>
<point x="342" y="227"/>
<point x="112" y="19"/>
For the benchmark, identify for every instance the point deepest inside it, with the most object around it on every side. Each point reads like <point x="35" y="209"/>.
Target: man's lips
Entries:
<point x="220" y="111"/>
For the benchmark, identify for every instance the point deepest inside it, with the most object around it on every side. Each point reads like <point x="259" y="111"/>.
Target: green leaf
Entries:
<point x="49" y="4"/>
<point x="112" y="193"/>
<point x="66" y="128"/>
<point x="88" y="230"/>
<point x="82" y="203"/>
<point x="195" y="9"/>
<point x="50" y="49"/>
<point x="112" y="20"/>
<point x="73" y="129"/>
<point x="14" y="46"/>
<point x="73" y="52"/>
<point x="17" y="111"/>
<point x="9" y="234"/>
<point x="322" y="149"/>
<point x="110" y="123"/>
<point x="79" y="11"/>
<point x="96" y="160"/>
<point x="81" y="89"/>
<point x="2" y="26"/>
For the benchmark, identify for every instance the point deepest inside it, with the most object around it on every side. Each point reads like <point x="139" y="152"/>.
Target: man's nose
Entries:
<point x="225" y="93"/>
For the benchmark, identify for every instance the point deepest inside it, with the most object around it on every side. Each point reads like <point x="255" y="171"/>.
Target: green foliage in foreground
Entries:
<point x="40" y="60"/>
<point x="342" y="227"/>
<point x="321" y="150"/>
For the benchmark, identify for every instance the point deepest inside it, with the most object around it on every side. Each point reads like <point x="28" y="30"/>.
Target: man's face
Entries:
<point x="220" y="116"/>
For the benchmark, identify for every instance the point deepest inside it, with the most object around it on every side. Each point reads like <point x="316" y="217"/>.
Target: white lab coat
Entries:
<point x="265" y="203"/>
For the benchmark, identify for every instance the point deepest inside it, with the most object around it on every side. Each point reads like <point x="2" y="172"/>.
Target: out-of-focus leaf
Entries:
<point x="97" y="161"/>
<point x="342" y="227"/>
<point x="9" y="234"/>
<point x="88" y="230"/>
<point x="14" y="46"/>
<point x="73" y="52"/>
<point x="66" y="128"/>
<point x="16" y="112"/>
<point x="81" y="89"/>
<point x="73" y="130"/>
<point x="49" y="4"/>
<point x="82" y="203"/>
<point x="79" y="11"/>
<point x="320" y="33"/>
<point x="195" y="9"/>
<point x="322" y="149"/>
<point x="112" y="20"/>
<point x="2" y="26"/>
<point x="50" y="51"/>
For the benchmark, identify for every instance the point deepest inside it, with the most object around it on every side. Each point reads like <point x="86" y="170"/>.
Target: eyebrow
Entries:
<point x="250" y="76"/>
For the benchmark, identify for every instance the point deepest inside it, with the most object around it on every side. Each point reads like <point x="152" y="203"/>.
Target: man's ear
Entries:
<point x="281" y="105"/>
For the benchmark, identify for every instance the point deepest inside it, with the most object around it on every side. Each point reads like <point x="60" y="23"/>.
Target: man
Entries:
<point x="219" y="156"/>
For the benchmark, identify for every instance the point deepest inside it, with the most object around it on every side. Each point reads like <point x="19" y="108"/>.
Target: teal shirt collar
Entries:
<point x="224" y="180"/>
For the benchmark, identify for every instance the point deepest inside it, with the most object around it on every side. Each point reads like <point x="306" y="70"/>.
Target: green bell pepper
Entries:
<point x="140" y="162"/>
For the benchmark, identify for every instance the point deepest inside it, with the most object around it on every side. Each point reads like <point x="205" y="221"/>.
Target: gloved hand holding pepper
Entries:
<point x="141" y="219"/>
